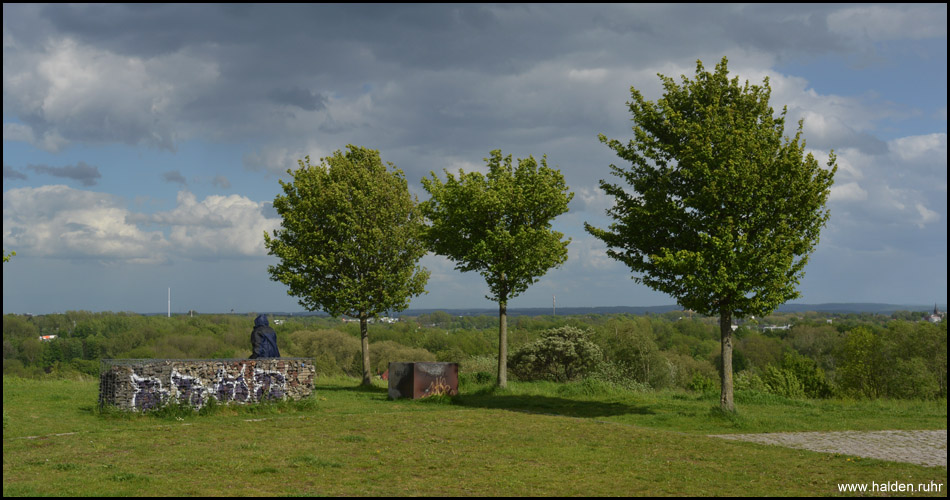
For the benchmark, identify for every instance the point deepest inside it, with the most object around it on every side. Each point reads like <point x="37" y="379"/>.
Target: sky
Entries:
<point x="143" y="144"/>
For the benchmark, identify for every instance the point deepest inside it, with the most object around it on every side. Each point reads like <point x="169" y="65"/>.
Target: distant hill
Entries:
<point x="833" y="308"/>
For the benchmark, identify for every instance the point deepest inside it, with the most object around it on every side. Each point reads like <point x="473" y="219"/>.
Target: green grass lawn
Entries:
<point x="530" y="439"/>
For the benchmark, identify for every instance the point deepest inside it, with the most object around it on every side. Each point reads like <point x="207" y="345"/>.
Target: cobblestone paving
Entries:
<point x="918" y="447"/>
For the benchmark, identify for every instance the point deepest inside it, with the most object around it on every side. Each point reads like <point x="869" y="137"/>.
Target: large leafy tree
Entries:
<point x="499" y="225"/>
<point x="723" y="210"/>
<point x="350" y="239"/>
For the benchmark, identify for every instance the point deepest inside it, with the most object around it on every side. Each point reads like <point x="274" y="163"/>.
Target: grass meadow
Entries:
<point x="531" y="439"/>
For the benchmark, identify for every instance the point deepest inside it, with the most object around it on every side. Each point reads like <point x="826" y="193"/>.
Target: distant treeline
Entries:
<point x="818" y="355"/>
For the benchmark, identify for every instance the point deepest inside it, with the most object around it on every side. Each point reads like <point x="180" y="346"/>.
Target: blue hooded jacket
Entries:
<point x="263" y="339"/>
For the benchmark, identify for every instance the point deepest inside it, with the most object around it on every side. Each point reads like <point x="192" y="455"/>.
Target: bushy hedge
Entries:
<point x="862" y="356"/>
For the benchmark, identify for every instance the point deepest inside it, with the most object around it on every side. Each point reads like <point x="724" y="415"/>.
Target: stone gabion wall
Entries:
<point x="146" y="384"/>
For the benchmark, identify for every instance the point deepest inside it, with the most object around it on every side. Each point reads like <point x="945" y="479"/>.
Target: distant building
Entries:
<point x="47" y="338"/>
<point x="937" y="316"/>
<point x="382" y="319"/>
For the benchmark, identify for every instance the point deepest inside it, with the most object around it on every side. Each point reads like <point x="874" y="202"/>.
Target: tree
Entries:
<point x="350" y="239"/>
<point x="7" y="256"/>
<point x="724" y="211"/>
<point x="500" y="226"/>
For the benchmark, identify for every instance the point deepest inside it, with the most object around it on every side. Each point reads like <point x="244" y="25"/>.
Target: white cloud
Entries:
<point x="848" y="192"/>
<point x="590" y="254"/>
<point x="926" y="215"/>
<point x="593" y="199"/>
<point x="60" y="222"/>
<point x="928" y="147"/>
<point x="75" y="92"/>
<point x="237" y="229"/>
<point x="49" y="141"/>
<point x="278" y="159"/>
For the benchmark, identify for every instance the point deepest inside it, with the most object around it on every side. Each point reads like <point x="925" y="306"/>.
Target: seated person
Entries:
<point x="263" y="339"/>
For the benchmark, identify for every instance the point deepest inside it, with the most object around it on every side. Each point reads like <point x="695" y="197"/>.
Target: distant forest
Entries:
<point x="792" y="354"/>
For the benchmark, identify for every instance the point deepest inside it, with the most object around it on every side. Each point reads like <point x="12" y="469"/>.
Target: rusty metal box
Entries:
<point x="421" y="379"/>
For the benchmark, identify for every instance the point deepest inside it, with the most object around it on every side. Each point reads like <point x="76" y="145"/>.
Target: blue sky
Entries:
<point x="143" y="144"/>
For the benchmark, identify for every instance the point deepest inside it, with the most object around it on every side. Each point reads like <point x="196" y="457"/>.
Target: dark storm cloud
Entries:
<point x="495" y="38"/>
<point x="174" y="176"/>
<point x="87" y="175"/>
<point x="12" y="173"/>
<point x="263" y="61"/>
<point x="302" y="98"/>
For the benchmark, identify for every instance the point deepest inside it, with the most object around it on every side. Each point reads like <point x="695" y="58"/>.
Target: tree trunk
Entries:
<point x="726" y="402"/>
<point x="364" y="343"/>
<point x="503" y="342"/>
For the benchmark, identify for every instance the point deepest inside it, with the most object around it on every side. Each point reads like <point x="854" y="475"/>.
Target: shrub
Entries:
<point x="913" y="380"/>
<point x="782" y="382"/>
<point x="334" y="352"/>
<point x="561" y="354"/>
<point x="382" y="353"/>
<point x="806" y="370"/>
<point x="703" y="384"/>
<point x="618" y="375"/>
<point x="684" y="369"/>
<point x="746" y="380"/>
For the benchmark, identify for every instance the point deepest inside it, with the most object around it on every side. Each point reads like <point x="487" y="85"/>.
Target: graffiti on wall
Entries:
<point x="188" y="389"/>
<point x="145" y="385"/>
<point x="270" y="384"/>
<point x="231" y="388"/>
<point x="147" y="393"/>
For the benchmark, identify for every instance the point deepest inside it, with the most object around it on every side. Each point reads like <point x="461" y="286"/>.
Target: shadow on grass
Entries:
<point x="360" y="389"/>
<point x="492" y="399"/>
<point x="549" y="405"/>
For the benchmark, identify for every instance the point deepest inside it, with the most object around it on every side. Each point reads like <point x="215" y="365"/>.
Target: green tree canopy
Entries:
<point x="350" y="239"/>
<point x="499" y="225"/>
<point x="724" y="209"/>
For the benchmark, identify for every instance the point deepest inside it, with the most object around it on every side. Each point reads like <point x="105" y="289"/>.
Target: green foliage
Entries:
<point x="749" y="381"/>
<point x="630" y="348"/>
<point x="350" y="238"/>
<point x="387" y="351"/>
<point x="723" y="213"/>
<point x="562" y="354"/>
<point x="479" y="366"/>
<point x="334" y="352"/>
<point x="912" y="379"/>
<point x="499" y="225"/>
<point x="806" y="371"/>
<point x="703" y="384"/>
<point x="758" y="350"/>
<point x="684" y="368"/>
<point x="618" y="375"/>
<point x="902" y="359"/>
<point x="782" y="382"/>
<point x="857" y="364"/>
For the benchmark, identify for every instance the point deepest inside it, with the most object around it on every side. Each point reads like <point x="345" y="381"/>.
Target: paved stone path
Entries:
<point x="917" y="447"/>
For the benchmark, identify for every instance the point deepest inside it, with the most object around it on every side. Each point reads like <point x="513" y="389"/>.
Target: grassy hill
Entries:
<point x="538" y="438"/>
